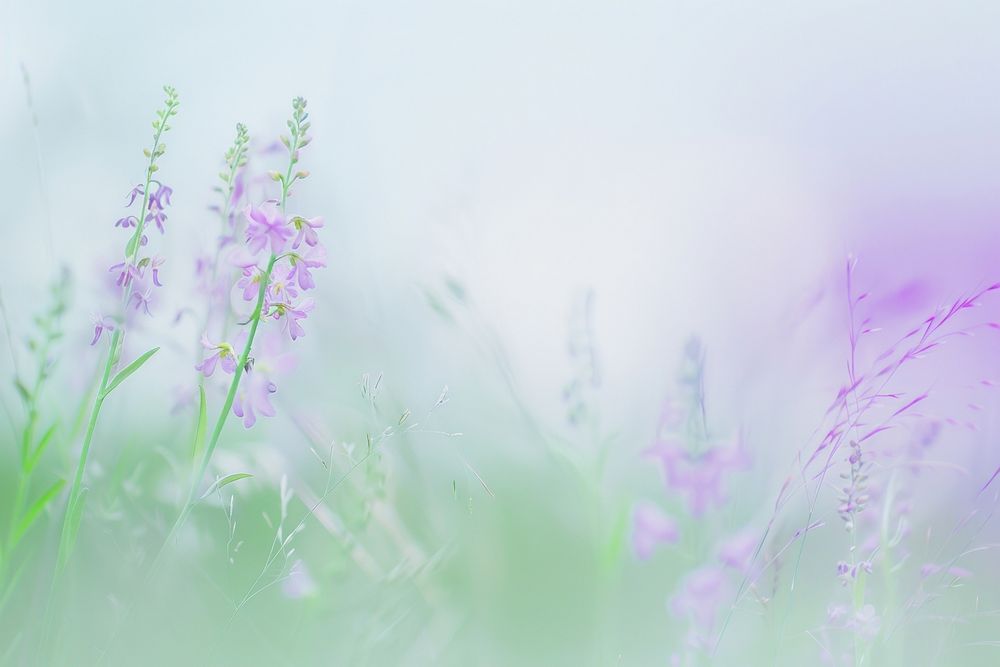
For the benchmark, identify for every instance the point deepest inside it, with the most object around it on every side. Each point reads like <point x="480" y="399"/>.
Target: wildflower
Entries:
<point x="737" y="550"/>
<point x="650" y="527"/>
<point x="154" y="264"/>
<point x="162" y="196"/>
<point x="158" y="202"/>
<point x="142" y="300"/>
<point x="127" y="271"/>
<point x="699" y="598"/>
<point x="865" y="622"/>
<point x="222" y="353"/>
<point x="253" y="397"/>
<point x="250" y="283"/>
<point x="102" y="324"/>
<point x="282" y="289"/>
<point x="306" y="230"/>
<point x="314" y="258"/>
<point x="133" y="193"/>
<point x="699" y="476"/>
<point x="292" y="316"/>
<point x="127" y="222"/>
<point x="267" y="226"/>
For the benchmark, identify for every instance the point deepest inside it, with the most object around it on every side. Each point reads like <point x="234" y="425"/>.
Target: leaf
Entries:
<point x="128" y="370"/>
<point x="36" y="508"/>
<point x="228" y="479"/>
<point x="199" y="433"/>
<point x="130" y="246"/>
<point x="40" y="449"/>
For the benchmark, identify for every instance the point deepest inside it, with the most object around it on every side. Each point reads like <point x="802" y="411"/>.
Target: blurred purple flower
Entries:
<point x="737" y="550"/>
<point x="126" y="273"/>
<point x="143" y="299"/>
<point x="254" y="396"/>
<point x="699" y="598"/>
<point x="699" y="476"/>
<point x="267" y="226"/>
<point x="651" y="527"/>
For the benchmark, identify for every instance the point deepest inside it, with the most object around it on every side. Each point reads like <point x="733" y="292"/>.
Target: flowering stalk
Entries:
<point x="266" y="228"/>
<point x="131" y="270"/>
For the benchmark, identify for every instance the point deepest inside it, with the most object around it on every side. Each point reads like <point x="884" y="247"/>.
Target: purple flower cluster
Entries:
<point x="288" y="269"/>
<point x="696" y="467"/>
<point x="134" y="269"/>
<point x="274" y="264"/>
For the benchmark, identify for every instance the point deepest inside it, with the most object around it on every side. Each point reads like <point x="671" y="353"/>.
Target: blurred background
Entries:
<point x="530" y="207"/>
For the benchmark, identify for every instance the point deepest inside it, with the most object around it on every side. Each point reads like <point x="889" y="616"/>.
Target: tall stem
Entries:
<point x="234" y="384"/>
<point x="67" y="537"/>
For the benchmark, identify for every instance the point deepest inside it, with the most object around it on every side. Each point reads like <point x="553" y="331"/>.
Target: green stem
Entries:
<point x="67" y="537"/>
<point x="234" y="384"/>
<point x="67" y="534"/>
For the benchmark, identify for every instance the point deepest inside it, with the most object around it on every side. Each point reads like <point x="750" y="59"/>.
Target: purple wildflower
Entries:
<point x="699" y="476"/>
<point x="650" y="527"/>
<point x="267" y="226"/>
<point x="162" y="196"/>
<point x="156" y="213"/>
<point x="223" y="354"/>
<point x="142" y="300"/>
<point x="154" y="264"/>
<point x="250" y="283"/>
<point x="306" y="228"/>
<point x="699" y="598"/>
<point x="314" y="258"/>
<point x="126" y="273"/>
<point x="132" y="194"/>
<point x="292" y="316"/>
<point x="254" y="396"/>
<point x="737" y="551"/>
<point x="282" y="290"/>
<point x="127" y="222"/>
<point x="102" y="324"/>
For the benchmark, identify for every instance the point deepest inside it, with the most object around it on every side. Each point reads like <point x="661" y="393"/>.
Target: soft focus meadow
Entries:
<point x="499" y="333"/>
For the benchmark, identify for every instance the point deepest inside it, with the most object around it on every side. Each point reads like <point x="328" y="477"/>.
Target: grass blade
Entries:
<point x="36" y="508"/>
<point x="128" y="370"/>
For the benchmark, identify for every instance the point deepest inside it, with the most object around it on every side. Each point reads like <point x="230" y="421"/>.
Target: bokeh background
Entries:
<point x="500" y="179"/>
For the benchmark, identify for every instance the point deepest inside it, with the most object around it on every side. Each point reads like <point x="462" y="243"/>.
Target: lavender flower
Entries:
<point x="102" y="324"/>
<point x="142" y="300"/>
<point x="292" y="315"/>
<point x="699" y="598"/>
<point x="267" y="227"/>
<point x="314" y="258"/>
<point x="306" y="230"/>
<point x="254" y="396"/>
<point x="699" y="476"/>
<point x="223" y="354"/>
<point x="651" y="527"/>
